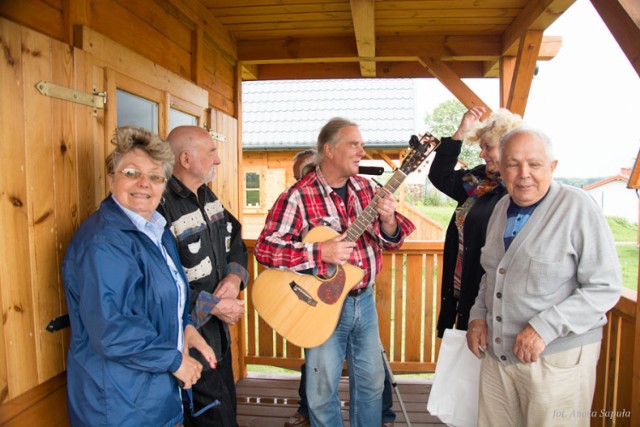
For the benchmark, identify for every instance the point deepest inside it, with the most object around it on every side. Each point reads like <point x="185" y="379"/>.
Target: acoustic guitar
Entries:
<point x="305" y="308"/>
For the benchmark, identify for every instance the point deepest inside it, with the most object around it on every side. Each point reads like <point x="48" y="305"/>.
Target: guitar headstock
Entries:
<point x="420" y="150"/>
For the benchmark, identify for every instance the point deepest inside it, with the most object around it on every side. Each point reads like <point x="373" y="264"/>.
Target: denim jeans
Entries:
<point x="356" y="339"/>
<point x="388" y="414"/>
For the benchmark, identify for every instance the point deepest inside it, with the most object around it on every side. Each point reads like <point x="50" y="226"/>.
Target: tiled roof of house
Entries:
<point x="287" y="115"/>
<point x="622" y="176"/>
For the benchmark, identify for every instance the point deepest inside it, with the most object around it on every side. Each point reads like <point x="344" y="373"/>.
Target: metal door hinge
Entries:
<point x="95" y="100"/>
<point x="218" y="136"/>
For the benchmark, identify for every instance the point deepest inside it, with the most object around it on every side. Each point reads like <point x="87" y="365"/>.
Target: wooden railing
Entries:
<point x="426" y="227"/>
<point x="615" y="400"/>
<point x="407" y="298"/>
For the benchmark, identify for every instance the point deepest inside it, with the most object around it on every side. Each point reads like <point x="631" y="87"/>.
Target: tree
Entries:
<point x="444" y="121"/>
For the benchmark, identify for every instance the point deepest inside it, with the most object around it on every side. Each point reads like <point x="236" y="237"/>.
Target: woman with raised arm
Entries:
<point x="476" y="192"/>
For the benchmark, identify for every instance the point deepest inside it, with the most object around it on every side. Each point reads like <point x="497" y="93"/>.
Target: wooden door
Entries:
<point x="50" y="181"/>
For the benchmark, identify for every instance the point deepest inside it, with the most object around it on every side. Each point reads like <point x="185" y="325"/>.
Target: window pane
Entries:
<point x="136" y="111"/>
<point x="178" y="118"/>
<point x="252" y="189"/>
<point x="253" y="180"/>
<point x="253" y="198"/>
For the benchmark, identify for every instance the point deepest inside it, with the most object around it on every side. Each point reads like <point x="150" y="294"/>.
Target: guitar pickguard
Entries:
<point x="330" y="290"/>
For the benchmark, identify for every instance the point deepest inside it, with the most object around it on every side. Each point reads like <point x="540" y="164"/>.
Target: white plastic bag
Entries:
<point x="455" y="390"/>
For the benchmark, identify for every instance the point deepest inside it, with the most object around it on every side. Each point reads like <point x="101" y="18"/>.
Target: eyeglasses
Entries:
<point x="134" y="175"/>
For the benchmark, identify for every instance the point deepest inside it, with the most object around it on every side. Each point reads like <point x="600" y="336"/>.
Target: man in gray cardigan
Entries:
<point x="552" y="273"/>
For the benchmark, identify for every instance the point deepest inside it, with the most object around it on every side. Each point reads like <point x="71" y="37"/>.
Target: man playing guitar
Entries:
<point x="334" y="196"/>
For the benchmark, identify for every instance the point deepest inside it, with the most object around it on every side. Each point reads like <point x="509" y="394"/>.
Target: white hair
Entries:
<point x="528" y="130"/>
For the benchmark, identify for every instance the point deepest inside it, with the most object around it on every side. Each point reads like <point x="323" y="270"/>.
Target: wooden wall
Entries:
<point x="179" y="35"/>
<point x="262" y="160"/>
<point x="52" y="177"/>
<point x="276" y="175"/>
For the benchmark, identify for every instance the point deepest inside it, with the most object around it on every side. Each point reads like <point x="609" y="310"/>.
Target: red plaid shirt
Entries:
<point x="311" y="202"/>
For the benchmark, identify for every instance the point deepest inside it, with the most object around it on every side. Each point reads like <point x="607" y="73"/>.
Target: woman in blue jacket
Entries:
<point x="128" y="299"/>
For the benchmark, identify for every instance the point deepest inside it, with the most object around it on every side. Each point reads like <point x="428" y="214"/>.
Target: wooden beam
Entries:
<point x="443" y="47"/>
<point x="74" y="12"/>
<point x="507" y="69"/>
<point x="332" y="60"/>
<point x="524" y="71"/>
<point x="343" y="70"/>
<point x="197" y="48"/>
<point x="198" y="14"/>
<point x="44" y="404"/>
<point x="363" y="15"/>
<point x="635" y="382"/>
<point x="622" y="17"/>
<point x="537" y="15"/>
<point x="452" y="81"/>
<point x="548" y="50"/>
<point x="459" y="47"/>
<point x="248" y="71"/>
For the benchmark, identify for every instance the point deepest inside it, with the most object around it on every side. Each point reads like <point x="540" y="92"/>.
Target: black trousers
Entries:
<point x="215" y="384"/>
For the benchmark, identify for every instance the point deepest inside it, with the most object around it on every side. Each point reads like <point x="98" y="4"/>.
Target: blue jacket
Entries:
<point x="122" y="302"/>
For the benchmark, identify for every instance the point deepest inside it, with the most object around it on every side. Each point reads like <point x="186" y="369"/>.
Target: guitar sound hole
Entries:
<point x="332" y="269"/>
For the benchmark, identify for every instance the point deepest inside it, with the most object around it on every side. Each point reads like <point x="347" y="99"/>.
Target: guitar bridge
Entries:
<point x="302" y="294"/>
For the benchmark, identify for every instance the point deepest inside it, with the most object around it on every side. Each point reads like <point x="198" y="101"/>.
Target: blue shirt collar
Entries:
<point x="154" y="228"/>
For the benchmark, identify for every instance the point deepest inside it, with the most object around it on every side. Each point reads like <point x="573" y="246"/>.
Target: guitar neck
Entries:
<point x="369" y="213"/>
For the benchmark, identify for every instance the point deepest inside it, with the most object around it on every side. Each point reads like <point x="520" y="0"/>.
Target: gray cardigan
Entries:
<point x="561" y="274"/>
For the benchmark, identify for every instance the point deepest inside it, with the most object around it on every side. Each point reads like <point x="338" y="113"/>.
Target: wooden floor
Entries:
<point x="267" y="400"/>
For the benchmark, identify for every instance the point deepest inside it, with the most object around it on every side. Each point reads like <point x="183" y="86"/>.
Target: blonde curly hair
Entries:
<point x="491" y="130"/>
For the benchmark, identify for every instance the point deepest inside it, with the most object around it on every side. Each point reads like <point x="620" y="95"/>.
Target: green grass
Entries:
<point x="628" y="255"/>
<point x="270" y="369"/>
<point x="622" y="230"/>
<point x="440" y="214"/>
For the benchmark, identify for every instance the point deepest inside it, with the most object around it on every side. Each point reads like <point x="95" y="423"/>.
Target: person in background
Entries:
<point x="128" y="299"/>
<point x="303" y="163"/>
<point x="215" y="260"/>
<point x="333" y="195"/>
<point x="476" y="192"/>
<point x="552" y="273"/>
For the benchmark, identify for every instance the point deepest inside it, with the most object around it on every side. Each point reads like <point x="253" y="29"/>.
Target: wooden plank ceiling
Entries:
<point x="289" y="39"/>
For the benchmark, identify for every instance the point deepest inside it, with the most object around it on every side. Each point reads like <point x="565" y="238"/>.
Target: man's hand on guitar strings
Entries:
<point x="336" y="250"/>
<point x="386" y="208"/>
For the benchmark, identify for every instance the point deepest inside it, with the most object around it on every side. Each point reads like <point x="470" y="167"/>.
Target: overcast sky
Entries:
<point x="586" y="98"/>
